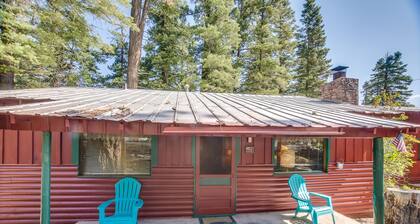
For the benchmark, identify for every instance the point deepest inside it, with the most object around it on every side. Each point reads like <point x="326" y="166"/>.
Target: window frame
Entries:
<point x="325" y="158"/>
<point x="153" y="160"/>
<point x="418" y="150"/>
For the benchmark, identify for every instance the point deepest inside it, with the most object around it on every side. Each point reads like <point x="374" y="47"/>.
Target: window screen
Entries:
<point x="215" y="155"/>
<point x="114" y="155"/>
<point x="300" y="154"/>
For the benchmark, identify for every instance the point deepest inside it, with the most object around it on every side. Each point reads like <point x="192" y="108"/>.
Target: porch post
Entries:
<point x="327" y="142"/>
<point x="378" y="180"/>
<point x="45" y="178"/>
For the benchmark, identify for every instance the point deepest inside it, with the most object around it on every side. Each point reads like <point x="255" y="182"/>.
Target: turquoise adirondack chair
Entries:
<point x="303" y="198"/>
<point x="127" y="203"/>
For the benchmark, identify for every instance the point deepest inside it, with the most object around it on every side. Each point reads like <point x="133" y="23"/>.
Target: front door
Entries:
<point x="214" y="176"/>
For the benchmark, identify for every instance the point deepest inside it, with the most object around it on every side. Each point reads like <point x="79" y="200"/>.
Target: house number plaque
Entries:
<point x="249" y="149"/>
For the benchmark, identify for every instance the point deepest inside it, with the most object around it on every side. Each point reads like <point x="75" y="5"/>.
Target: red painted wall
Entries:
<point x="262" y="154"/>
<point x="169" y="191"/>
<point x="414" y="176"/>
<point x="350" y="188"/>
<point x="415" y="170"/>
<point x="20" y="193"/>
<point x="413" y="116"/>
<point x="24" y="147"/>
<point x="351" y="150"/>
<point x="174" y="151"/>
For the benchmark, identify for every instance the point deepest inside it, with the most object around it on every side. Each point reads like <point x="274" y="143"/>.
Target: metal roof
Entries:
<point x="225" y="109"/>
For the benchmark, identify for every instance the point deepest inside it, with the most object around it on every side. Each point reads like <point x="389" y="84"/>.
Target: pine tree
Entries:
<point x="169" y="60"/>
<point x="52" y="42"/>
<point x="285" y="31"/>
<point x="270" y="47"/>
<point x="388" y="80"/>
<point x="18" y="53"/>
<point x="118" y="76"/>
<point x="72" y="48"/>
<point x="312" y="63"/>
<point x="242" y="13"/>
<point x="219" y="38"/>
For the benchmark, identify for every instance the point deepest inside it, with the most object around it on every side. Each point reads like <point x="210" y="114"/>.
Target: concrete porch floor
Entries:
<point x="252" y="218"/>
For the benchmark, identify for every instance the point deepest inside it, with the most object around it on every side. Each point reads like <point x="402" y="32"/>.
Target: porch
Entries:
<point x="285" y="217"/>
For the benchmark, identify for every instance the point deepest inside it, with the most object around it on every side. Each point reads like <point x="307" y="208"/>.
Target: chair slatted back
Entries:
<point x="127" y="190"/>
<point x="298" y="188"/>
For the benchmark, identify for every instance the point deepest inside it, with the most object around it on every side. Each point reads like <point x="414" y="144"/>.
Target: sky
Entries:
<point x="359" y="32"/>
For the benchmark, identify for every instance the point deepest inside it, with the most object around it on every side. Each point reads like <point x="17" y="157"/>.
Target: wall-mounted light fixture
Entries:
<point x="249" y="140"/>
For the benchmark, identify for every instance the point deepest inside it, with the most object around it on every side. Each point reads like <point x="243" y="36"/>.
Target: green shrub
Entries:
<point x="397" y="164"/>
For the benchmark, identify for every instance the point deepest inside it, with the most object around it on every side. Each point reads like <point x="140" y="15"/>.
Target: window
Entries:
<point x="418" y="150"/>
<point x="215" y="155"/>
<point x="299" y="154"/>
<point x="114" y="155"/>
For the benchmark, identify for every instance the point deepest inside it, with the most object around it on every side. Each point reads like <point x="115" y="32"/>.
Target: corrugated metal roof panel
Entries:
<point x="196" y="108"/>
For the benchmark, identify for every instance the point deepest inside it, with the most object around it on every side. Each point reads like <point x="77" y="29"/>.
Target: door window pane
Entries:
<point x="114" y="155"/>
<point x="300" y="154"/>
<point x="215" y="155"/>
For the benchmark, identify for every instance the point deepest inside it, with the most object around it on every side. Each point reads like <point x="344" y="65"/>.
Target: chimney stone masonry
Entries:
<point x="341" y="89"/>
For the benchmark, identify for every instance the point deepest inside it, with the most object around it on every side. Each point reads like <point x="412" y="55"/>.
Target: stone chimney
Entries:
<point x="341" y="89"/>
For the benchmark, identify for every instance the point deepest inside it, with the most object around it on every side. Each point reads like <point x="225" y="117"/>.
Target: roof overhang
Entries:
<point x="253" y="131"/>
<point x="83" y="125"/>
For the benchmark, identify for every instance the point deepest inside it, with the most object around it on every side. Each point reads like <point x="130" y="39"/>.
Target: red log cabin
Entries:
<point x="63" y="149"/>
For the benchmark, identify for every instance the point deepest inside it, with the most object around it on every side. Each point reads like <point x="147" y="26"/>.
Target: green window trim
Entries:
<point x="193" y="155"/>
<point x="154" y="151"/>
<point x="238" y="161"/>
<point x="274" y="143"/>
<point x="237" y="150"/>
<point x="75" y="141"/>
<point x="327" y="144"/>
<point x="215" y="181"/>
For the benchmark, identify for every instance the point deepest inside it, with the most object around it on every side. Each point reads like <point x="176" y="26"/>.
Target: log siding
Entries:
<point x="169" y="191"/>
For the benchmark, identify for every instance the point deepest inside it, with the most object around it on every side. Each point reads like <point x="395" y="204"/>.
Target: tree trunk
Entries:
<point x="139" y="11"/>
<point x="7" y="81"/>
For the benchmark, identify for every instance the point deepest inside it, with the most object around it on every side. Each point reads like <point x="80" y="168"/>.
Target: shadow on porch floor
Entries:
<point x="287" y="218"/>
<point x="252" y="218"/>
